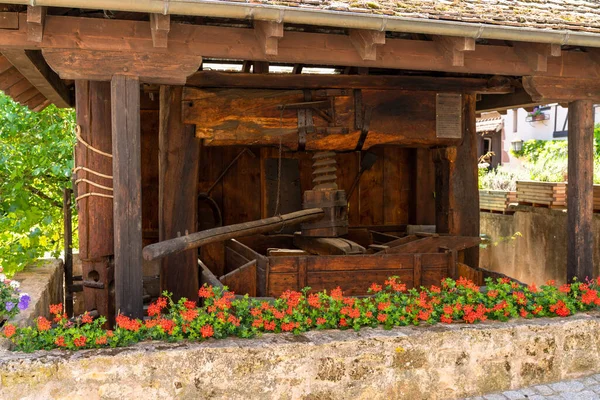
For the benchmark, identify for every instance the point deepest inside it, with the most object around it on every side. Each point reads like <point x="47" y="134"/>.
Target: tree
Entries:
<point x="36" y="160"/>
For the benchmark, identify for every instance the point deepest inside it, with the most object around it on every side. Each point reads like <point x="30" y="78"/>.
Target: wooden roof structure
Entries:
<point x="408" y="73"/>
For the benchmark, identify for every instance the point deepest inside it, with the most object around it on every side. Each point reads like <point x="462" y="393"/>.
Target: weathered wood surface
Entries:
<point x="32" y="66"/>
<point x="262" y="263"/>
<point x="178" y="178"/>
<point x="548" y="90"/>
<point x="254" y="117"/>
<point x="103" y="65"/>
<point x="457" y="193"/>
<point x="382" y="238"/>
<point x="242" y="280"/>
<point x="195" y="240"/>
<point x="433" y="244"/>
<point x="353" y="274"/>
<point x="126" y="145"/>
<point x="422" y="186"/>
<point x="95" y="214"/>
<point x="580" y="239"/>
<point x="215" y="79"/>
<point x="64" y="32"/>
<point x="327" y="246"/>
<point x="36" y="16"/>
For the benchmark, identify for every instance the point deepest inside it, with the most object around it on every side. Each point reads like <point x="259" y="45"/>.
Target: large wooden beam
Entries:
<point x="226" y="117"/>
<point x="95" y="213"/>
<point x="580" y="239"/>
<point x="296" y="47"/>
<point x="552" y="89"/>
<point x="103" y="65"/>
<point x="216" y="79"/>
<point x="32" y="66"/>
<point x="178" y="162"/>
<point x="125" y="110"/>
<point x="456" y="189"/>
<point x="520" y="98"/>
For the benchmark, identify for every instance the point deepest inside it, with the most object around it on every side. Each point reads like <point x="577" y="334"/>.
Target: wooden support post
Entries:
<point x="422" y="207"/>
<point x="580" y="242"/>
<point x="179" y="155"/>
<point x="457" y="194"/>
<point x="125" y="97"/>
<point x="96" y="243"/>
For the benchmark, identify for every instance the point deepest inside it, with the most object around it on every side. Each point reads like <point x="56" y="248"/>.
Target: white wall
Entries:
<point x="538" y="130"/>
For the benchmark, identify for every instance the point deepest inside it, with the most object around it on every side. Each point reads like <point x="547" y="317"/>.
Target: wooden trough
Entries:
<point x="417" y="261"/>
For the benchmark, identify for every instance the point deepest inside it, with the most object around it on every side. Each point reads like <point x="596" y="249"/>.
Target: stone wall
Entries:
<point x="540" y="253"/>
<point x="44" y="283"/>
<point x="437" y="362"/>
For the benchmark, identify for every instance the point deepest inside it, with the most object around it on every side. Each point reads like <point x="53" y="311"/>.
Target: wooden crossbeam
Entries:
<point x="35" y="23"/>
<point x="553" y="89"/>
<point x="9" y="20"/>
<point x="268" y="34"/>
<point x="520" y="98"/>
<point x="366" y="41"/>
<point x="160" y="25"/>
<point x="386" y="82"/>
<point x="32" y="66"/>
<point x="103" y="65"/>
<point x="454" y="48"/>
<point x="70" y="33"/>
<point x="536" y="54"/>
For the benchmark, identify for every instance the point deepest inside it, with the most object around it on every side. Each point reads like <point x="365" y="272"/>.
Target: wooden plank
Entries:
<point x="95" y="214"/>
<point x="366" y="41"/>
<point x="160" y="25"/>
<point x="520" y="98"/>
<point x="396" y="185"/>
<point x="422" y="207"/>
<point x="243" y="280"/>
<point x="103" y="65"/>
<point x="360" y="262"/>
<point x="64" y="32"/>
<point x="382" y="238"/>
<point x="177" y="186"/>
<point x="36" y="16"/>
<point x="216" y="79"/>
<point x="32" y="66"/>
<point x="371" y="192"/>
<point x="434" y="243"/>
<point x="348" y="168"/>
<point x="233" y="259"/>
<point x="327" y="246"/>
<point x="580" y="239"/>
<point x="417" y="271"/>
<point x="125" y="107"/>
<point x="544" y="89"/>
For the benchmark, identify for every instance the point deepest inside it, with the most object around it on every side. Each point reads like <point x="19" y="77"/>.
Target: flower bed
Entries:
<point x="222" y="315"/>
<point x="12" y="300"/>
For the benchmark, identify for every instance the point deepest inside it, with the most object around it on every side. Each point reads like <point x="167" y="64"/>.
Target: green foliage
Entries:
<point x="36" y="159"/>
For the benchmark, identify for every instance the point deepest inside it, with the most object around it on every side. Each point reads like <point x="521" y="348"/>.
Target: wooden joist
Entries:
<point x="68" y="33"/>
<point x="33" y="67"/>
<point x="536" y="54"/>
<point x="454" y="48"/>
<point x="160" y="25"/>
<point x="365" y="42"/>
<point x="207" y="79"/>
<point x="520" y="98"/>
<point x="268" y="34"/>
<point x="36" y="16"/>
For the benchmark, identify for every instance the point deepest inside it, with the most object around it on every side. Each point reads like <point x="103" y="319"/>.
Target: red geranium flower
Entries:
<point x="10" y="330"/>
